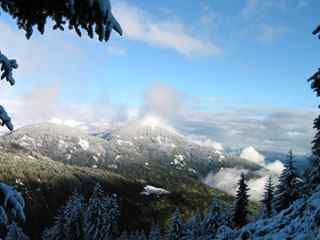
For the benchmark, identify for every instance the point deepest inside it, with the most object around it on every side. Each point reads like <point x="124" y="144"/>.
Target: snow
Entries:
<point x="26" y="141"/>
<point x="14" y="200"/>
<point x="62" y="144"/>
<point x="151" y="190"/>
<point x="299" y="221"/>
<point x="7" y="65"/>
<point x="179" y="161"/>
<point x="84" y="144"/>
<point x="113" y="166"/>
<point x="68" y="122"/>
<point x="122" y="142"/>
<point x="159" y="139"/>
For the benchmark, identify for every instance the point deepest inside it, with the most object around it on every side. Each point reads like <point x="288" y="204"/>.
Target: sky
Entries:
<point x="230" y="71"/>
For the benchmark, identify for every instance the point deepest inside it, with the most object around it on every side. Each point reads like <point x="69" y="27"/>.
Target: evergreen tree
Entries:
<point x="288" y="188"/>
<point x="97" y="226"/>
<point x="113" y="212"/>
<point x="155" y="233"/>
<point x="15" y="233"/>
<point x="191" y="229"/>
<point x="175" y="229"/>
<point x="240" y="211"/>
<point x="102" y="216"/>
<point x="69" y="222"/>
<point x="213" y="219"/>
<point x="314" y="171"/>
<point x="267" y="201"/>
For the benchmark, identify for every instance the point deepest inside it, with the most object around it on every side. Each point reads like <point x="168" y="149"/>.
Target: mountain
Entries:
<point x="60" y="142"/>
<point x="136" y="143"/>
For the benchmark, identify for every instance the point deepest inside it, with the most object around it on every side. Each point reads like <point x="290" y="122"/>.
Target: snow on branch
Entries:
<point x="92" y="16"/>
<point x="317" y="31"/>
<point x="7" y="66"/>
<point x="13" y="202"/>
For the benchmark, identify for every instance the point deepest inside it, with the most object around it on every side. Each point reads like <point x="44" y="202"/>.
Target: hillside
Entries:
<point x="46" y="184"/>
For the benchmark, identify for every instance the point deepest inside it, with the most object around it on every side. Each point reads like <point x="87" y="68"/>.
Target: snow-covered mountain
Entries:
<point x="138" y="143"/>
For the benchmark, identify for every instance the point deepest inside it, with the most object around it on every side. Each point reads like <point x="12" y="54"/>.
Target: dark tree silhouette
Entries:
<point x="288" y="188"/>
<point x="314" y="171"/>
<point x="266" y="202"/>
<point x="241" y="212"/>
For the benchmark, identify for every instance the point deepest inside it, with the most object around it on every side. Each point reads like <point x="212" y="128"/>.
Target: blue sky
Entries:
<point x="217" y="56"/>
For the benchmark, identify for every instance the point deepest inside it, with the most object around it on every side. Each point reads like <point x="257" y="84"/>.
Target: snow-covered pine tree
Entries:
<point x="288" y="188"/>
<point x="113" y="214"/>
<point x="101" y="217"/>
<point x="155" y="233"/>
<point x="15" y="233"/>
<point x="313" y="177"/>
<point x="176" y="228"/>
<point x="240" y="210"/>
<point x="212" y="220"/>
<point x="69" y="223"/>
<point x="267" y="201"/>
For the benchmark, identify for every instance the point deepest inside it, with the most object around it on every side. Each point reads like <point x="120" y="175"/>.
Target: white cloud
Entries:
<point x="163" y="100"/>
<point x="252" y="155"/>
<point x="275" y="167"/>
<point x="225" y="180"/>
<point x="207" y="143"/>
<point x="256" y="187"/>
<point x="139" y="25"/>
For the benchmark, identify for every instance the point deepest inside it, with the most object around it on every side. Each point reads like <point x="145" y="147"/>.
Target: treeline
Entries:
<point x="98" y="219"/>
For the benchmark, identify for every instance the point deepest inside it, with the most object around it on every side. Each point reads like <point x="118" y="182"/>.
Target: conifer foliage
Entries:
<point x="93" y="16"/>
<point x="288" y="188"/>
<point x="314" y="176"/>
<point x="97" y="220"/>
<point x="175" y="230"/>
<point x="240" y="211"/>
<point x="267" y="201"/>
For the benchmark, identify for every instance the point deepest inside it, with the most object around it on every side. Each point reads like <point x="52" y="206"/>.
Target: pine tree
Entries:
<point x="15" y="233"/>
<point x="175" y="229"/>
<point x="102" y="216"/>
<point x="288" y="188"/>
<point x="191" y="230"/>
<point x="314" y="175"/>
<point x="240" y="211"/>
<point x="213" y="219"/>
<point x="267" y="201"/>
<point x="69" y="223"/>
<point x="155" y="233"/>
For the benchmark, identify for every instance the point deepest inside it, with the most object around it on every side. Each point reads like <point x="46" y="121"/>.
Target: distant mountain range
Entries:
<point x="138" y="144"/>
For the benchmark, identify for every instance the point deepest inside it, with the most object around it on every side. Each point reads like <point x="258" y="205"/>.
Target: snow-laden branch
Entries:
<point x="7" y="66"/>
<point x="13" y="202"/>
<point x="93" y="16"/>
